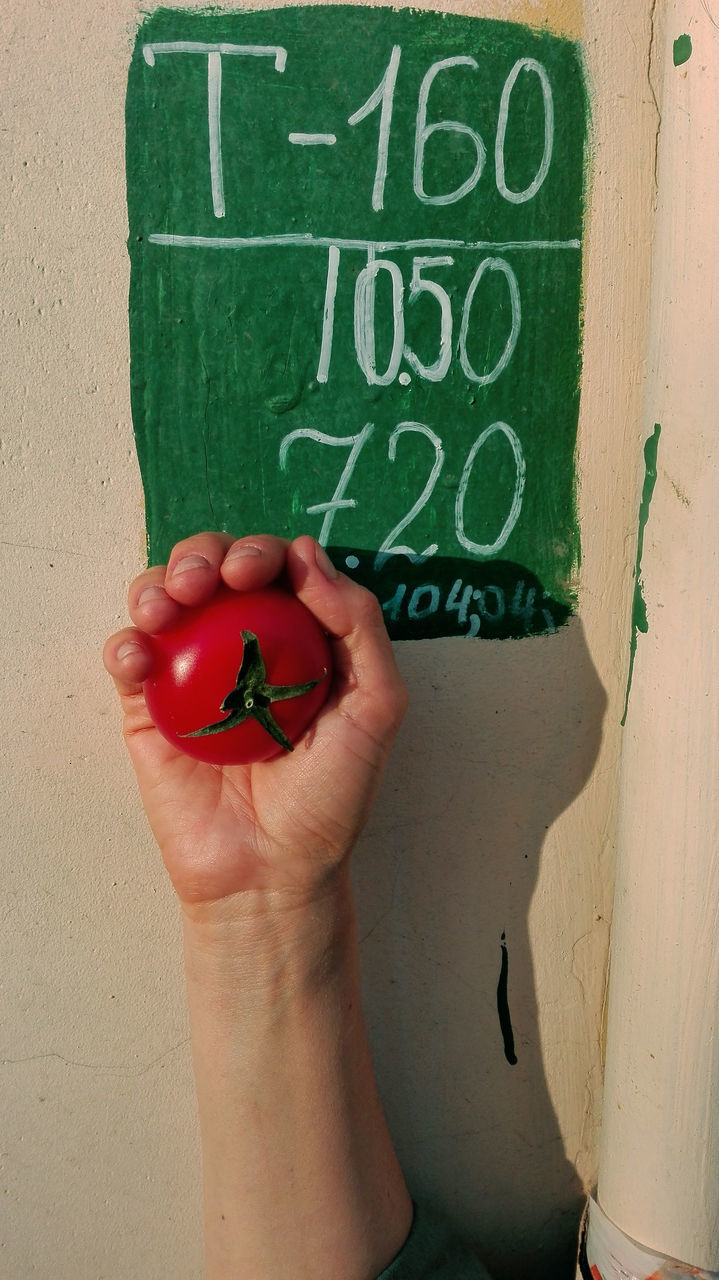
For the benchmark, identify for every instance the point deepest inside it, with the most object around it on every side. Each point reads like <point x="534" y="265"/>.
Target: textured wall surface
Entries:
<point x="498" y="813"/>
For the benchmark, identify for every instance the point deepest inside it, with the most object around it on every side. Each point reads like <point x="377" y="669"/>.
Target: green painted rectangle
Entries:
<point x="355" y="241"/>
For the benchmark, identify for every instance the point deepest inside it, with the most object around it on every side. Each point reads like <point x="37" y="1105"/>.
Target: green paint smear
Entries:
<point x="682" y="50"/>
<point x="640" y="621"/>
<point x="225" y="343"/>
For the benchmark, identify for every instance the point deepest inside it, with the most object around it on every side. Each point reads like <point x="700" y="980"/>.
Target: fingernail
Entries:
<point x="188" y="563"/>
<point x="149" y="594"/>
<point x="324" y="564"/>
<point x="243" y="551"/>
<point x="128" y="649"/>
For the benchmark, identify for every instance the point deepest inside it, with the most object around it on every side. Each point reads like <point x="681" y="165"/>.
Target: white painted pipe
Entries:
<point x="659" y="1160"/>
<point x="610" y="1255"/>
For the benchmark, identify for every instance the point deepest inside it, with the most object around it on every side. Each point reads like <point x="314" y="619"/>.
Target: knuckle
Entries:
<point x="154" y="576"/>
<point x="369" y="611"/>
<point x="186" y="544"/>
<point x="390" y="700"/>
<point x="208" y="543"/>
<point x="400" y="703"/>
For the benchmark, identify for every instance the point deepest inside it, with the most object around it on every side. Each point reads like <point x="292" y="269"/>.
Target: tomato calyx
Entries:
<point x="252" y="695"/>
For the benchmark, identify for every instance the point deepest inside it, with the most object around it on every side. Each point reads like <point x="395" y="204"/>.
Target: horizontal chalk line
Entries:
<point x="302" y="240"/>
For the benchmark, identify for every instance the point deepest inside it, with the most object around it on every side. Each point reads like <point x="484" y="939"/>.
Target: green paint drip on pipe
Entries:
<point x="640" y="621"/>
<point x="682" y="50"/>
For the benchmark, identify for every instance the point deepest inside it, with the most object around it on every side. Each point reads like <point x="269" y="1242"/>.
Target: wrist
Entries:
<point x="266" y="943"/>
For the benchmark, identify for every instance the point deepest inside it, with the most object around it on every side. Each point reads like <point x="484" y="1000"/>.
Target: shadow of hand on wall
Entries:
<point x="498" y="743"/>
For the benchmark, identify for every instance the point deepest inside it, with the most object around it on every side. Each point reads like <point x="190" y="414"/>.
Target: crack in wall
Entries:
<point x="655" y="99"/>
<point x="130" y="1072"/>
<point x="592" y="1085"/>
<point x="205" y="440"/>
<point x="710" y="16"/>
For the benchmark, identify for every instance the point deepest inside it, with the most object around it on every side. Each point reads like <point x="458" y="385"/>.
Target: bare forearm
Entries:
<point x="301" y="1178"/>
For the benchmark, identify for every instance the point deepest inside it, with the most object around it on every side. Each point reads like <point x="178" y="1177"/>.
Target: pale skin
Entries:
<point x="301" y="1180"/>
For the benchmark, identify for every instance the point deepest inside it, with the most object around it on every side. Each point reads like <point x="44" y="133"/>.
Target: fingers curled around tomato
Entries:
<point x="240" y="678"/>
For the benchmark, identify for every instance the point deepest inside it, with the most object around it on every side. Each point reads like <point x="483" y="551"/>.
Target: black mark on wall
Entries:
<point x="505" y="1020"/>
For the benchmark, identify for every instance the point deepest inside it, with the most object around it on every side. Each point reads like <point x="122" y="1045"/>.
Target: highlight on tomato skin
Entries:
<point x="225" y="697"/>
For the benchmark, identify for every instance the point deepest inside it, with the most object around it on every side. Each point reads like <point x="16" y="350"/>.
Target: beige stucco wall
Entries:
<point x="498" y="811"/>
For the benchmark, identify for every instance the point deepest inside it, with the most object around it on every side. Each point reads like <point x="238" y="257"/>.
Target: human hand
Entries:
<point x="284" y="826"/>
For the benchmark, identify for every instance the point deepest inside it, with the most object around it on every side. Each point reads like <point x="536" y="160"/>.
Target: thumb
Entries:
<point x="368" y="678"/>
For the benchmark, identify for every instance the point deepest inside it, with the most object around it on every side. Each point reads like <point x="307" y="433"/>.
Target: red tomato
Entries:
<point x="241" y="678"/>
